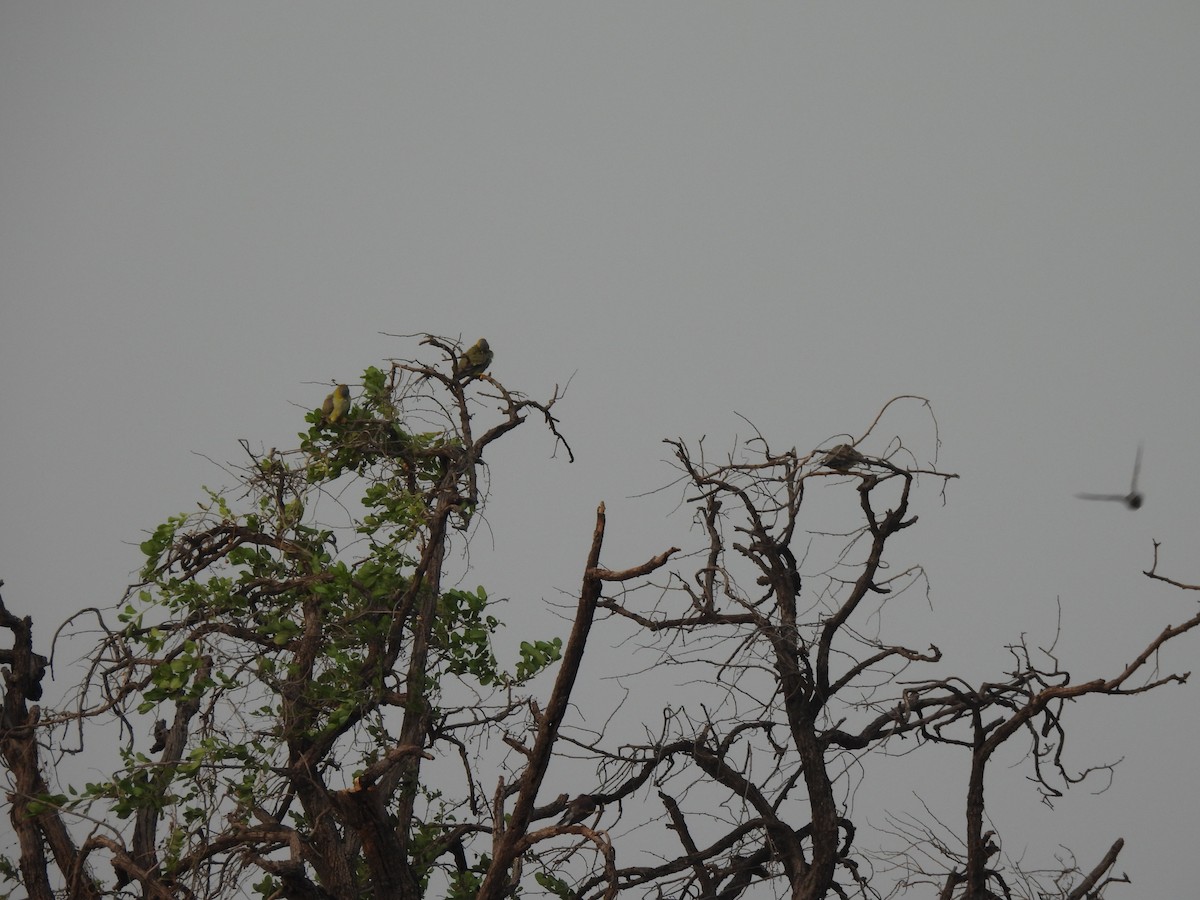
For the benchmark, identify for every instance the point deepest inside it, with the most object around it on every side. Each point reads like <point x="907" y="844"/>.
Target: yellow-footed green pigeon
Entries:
<point x="475" y="360"/>
<point x="842" y="458"/>
<point x="336" y="405"/>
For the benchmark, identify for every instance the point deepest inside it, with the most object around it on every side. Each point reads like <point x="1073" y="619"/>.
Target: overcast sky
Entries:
<point x="791" y="212"/>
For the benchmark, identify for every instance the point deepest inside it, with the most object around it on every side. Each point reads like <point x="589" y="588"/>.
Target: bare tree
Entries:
<point x="800" y="689"/>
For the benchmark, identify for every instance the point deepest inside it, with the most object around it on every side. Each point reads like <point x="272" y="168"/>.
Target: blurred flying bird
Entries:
<point x="1133" y="499"/>
<point x="474" y="361"/>
<point x="337" y="404"/>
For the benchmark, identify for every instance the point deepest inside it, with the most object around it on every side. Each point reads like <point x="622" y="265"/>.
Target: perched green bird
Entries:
<point x="337" y="404"/>
<point x="843" y="457"/>
<point x="475" y="360"/>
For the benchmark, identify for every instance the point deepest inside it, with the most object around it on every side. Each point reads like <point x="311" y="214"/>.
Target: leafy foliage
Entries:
<point x="290" y="676"/>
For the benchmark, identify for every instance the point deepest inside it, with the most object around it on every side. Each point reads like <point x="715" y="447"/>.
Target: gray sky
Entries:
<point x="790" y="212"/>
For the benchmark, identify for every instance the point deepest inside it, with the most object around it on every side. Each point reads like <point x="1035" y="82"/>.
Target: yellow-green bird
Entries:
<point x="475" y="360"/>
<point x="336" y="405"/>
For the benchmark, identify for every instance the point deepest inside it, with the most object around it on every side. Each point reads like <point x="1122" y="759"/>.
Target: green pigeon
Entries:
<point x="336" y="405"/>
<point x="475" y="360"/>
<point x="842" y="458"/>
